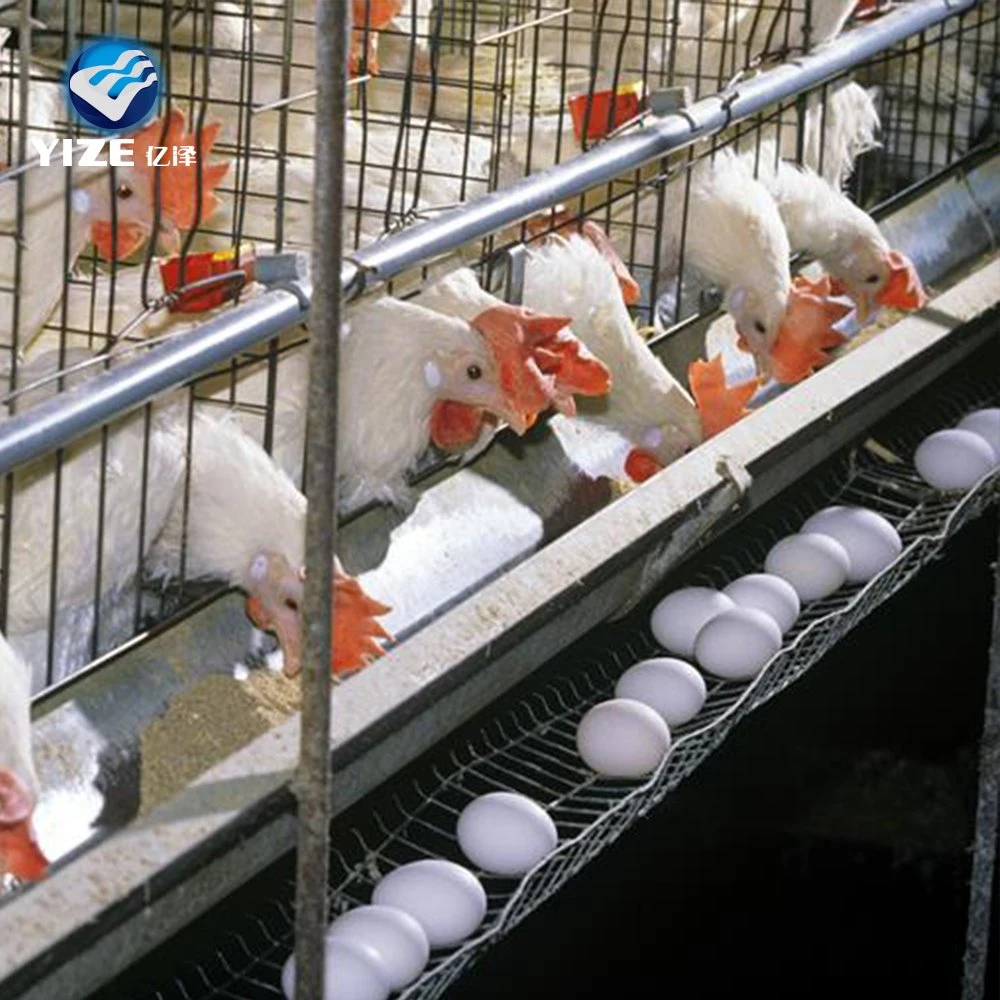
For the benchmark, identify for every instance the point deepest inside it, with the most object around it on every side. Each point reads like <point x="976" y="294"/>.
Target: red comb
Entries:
<point x="807" y="331"/>
<point x="561" y="220"/>
<point x="178" y="182"/>
<point x="513" y="335"/>
<point x="631" y="293"/>
<point x="719" y="406"/>
<point x="575" y="369"/>
<point x="640" y="465"/>
<point x="375" y="15"/>
<point x="355" y="629"/>
<point x="903" y="290"/>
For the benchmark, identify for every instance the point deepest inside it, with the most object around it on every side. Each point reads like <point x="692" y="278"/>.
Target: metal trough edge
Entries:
<point x="94" y="916"/>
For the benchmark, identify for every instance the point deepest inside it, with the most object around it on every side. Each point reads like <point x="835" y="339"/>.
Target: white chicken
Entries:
<point x="133" y="485"/>
<point x="20" y="856"/>
<point x="700" y="44"/>
<point x="646" y="405"/>
<point x="539" y="352"/>
<point x="847" y="242"/>
<point x="258" y="546"/>
<point x="418" y="372"/>
<point x="89" y="219"/>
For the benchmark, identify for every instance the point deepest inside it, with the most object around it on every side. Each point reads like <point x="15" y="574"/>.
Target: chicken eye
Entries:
<point x="872" y="279"/>
<point x="291" y="604"/>
<point x="474" y="372"/>
<point x="124" y="191"/>
<point x="759" y="327"/>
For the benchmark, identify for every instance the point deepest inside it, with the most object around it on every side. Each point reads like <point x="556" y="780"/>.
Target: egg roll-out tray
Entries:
<point x="528" y="746"/>
<point x="139" y="879"/>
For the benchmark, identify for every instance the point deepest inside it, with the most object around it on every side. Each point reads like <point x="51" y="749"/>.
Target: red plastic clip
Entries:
<point x="627" y="102"/>
<point x="199" y="270"/>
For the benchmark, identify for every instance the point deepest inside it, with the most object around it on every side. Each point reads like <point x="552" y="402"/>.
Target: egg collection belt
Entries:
<point x="526" y="743"/>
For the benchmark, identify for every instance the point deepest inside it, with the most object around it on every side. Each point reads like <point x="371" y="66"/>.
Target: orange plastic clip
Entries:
<point x="626" y="102"/>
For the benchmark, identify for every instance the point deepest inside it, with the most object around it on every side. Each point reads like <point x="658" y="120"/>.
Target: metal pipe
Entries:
<point x="479" y="218"/>
<point x="53" y="424"/>
<point x="57" y="421"/>
<point x="313" y="777"/>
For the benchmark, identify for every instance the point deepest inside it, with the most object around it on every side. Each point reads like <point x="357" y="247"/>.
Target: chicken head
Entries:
<point x="20" y="855"/>
<point x="875" y="276"/>
<point x="167" y="164"/>
<point x="534" y="360"/>
<point x="275" y="593"/>
<point x="758" y="322"/>
<point x="719" y="406"/>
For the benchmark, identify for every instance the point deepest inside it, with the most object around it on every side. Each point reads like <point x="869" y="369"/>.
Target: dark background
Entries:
<point x="822" y="849"/>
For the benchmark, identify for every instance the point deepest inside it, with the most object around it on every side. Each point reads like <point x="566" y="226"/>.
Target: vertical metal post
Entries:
<point x="312" y="784"/>
<point x="987" y="835"/>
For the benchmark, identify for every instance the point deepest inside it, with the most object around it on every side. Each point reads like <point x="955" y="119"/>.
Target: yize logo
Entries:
<point x="113" y="85"/>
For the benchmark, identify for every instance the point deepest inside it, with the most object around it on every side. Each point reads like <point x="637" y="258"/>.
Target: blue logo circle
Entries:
<point x="113" y="85"/>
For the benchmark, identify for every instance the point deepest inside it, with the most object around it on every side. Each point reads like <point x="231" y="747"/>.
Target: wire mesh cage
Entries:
<point x="450" y="100"/>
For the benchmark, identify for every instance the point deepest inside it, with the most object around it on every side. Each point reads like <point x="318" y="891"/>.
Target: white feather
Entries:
<point x="571" y="278"/>
<point x="15" y="717"/>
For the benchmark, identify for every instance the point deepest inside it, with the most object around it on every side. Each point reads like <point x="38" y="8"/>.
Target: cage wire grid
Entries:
<point x="466" y="73"/>
<point x="529" y="746"/>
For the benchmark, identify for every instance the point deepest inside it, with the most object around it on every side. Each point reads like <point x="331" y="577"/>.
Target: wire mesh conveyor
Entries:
<point x="529" y="745"/>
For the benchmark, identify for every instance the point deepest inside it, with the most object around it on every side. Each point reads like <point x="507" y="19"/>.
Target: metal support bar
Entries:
<point x="313" y="777"/>
<point x="53" y="424"/>
<point x="57" y="421"/>
<point x="987" y="835"/>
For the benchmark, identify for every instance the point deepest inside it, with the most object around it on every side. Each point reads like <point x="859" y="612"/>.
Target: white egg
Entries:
<point x="622" y="738"/>
<point x="506" y="834"/>
<point x="773" y="595"/>
<point x="398" y="940"/>
<point x="353" y="972"/>
<point x="871" y="542"/>
<point x="738" y="644"/>
<point x="815" y="565"/>
<point x="444" y="898"/>
<point x="953" y="460"/>
<point x="672" y="688"/>
<point x="985" y="423"/>
<point x="678" y="618"/>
